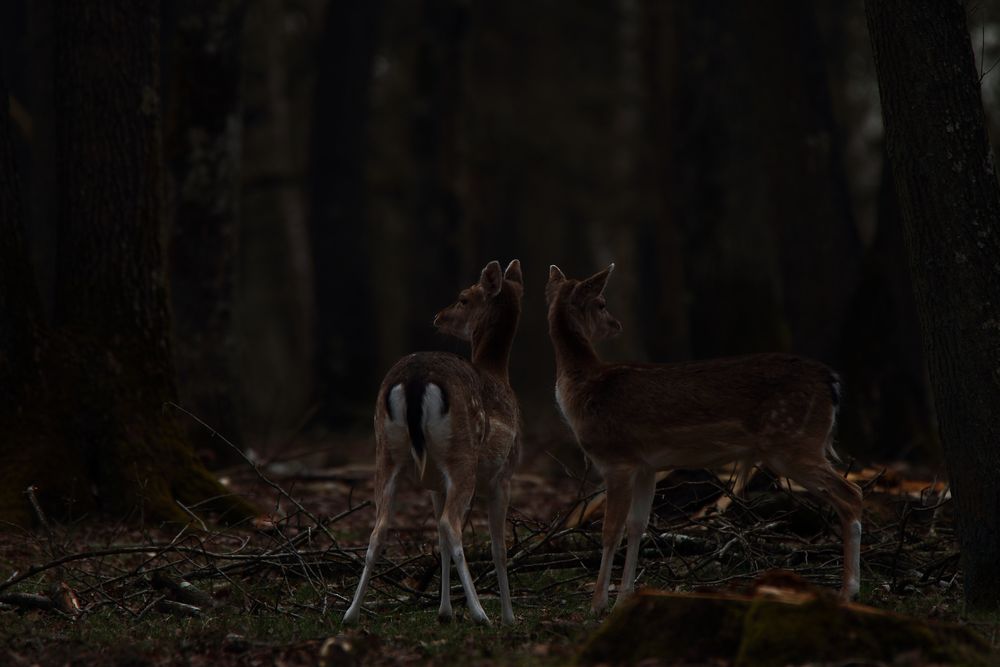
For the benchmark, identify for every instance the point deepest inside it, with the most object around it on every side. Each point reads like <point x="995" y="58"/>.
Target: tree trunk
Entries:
<point x="21" y="444"/>
<point x="890" y="414"/>
<point x="275" y="306"/>
<point x="204" y="136"/>
<point x="342" y="257"/>
<point x="947" y="187"/>
<point x="19" y="304"/>
<point x="435" y="143"/>
<point x="760" y="196"/>
<point x="99" y="436"/>
<point x="615" y="234"/>
<point x="808" y="202"/>
<point x="663" y="310"/>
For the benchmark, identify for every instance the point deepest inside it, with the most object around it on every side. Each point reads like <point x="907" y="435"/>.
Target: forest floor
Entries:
<point x="274" y="593"/>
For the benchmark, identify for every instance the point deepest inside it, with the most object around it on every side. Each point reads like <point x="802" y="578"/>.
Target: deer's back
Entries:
<point x="711" y="411"/>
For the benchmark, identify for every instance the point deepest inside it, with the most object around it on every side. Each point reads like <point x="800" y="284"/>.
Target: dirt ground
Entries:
<point x="274" y="592"/>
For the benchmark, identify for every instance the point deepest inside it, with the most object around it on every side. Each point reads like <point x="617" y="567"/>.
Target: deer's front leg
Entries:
<point x="643" y="490"/>
<point x="616" y="506"/>
<point x="458" y="495"/>
<point x="498" y="503"/>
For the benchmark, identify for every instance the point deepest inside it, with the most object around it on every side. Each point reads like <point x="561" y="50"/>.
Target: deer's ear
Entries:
<point x="513" y="272"/>
<point x="556" y="279"/>
<point x="595" y="284"/>
<point x="491" y="279"/>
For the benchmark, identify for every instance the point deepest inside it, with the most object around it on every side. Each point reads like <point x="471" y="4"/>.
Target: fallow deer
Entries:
<point x="635" y="419"/>
<point x="456" y="426"/>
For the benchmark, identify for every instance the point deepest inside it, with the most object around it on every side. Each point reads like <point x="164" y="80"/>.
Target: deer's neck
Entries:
<point x="491" y="353"/>
<point x="573" y="351"/>
<point x="491" y="343"/>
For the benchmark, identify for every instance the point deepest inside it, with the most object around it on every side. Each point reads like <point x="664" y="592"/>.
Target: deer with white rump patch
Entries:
<point x="456" y="426"/>
<point x="634" y="419"/>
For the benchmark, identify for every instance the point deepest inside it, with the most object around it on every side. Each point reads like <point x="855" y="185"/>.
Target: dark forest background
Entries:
<point x="336" y="171"/>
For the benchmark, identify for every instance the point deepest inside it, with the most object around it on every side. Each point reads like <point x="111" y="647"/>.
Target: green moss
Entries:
<point x="96" y="420"/>
<point x="763" y="632"/>
<point x="673" y="627"/>
<point x="777" y="633"/>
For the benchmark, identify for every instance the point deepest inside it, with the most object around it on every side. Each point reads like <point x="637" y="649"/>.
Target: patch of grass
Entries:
<point x="547" y="631"/>
<point x="272" y="614"/>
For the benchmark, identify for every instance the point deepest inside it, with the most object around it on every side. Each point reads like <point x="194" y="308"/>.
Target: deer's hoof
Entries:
<point x="481" y="619"/>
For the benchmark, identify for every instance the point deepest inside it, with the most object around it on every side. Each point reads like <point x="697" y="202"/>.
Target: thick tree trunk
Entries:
<point x="345" y="309"/>
<point x="204" y="136"/>
<point x="99" y="435"/>
<point x="22" y="443"/>
<point x="20" y="310"/>
<point x="950" y="200"/>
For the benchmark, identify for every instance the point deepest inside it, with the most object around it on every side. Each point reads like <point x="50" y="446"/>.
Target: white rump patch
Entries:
<point x="397" y="404"/>
<point x="394" y="424"/>
<point x="437" y="426"/>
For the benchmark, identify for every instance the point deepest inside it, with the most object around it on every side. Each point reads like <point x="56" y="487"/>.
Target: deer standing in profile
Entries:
<point x="634" y="419"/>
<point x="456" y="426"/>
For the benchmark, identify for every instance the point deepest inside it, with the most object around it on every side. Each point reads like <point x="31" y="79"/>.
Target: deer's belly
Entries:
<point x="680" y="447"/>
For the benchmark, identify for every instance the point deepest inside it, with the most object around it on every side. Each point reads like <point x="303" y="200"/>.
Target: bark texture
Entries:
<point x="22" y="444"/>
<point x="947" y="188"/>
<point x="98" y="436"/>
<point x="19" y="304"/>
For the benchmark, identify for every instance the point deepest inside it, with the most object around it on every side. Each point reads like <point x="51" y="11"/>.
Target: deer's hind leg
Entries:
<point x="444" y="611"/>
<point x="845" y="497"/>
<point x="817" y="475"/>
<point x="386" y="475"/>
<point x="459" y="488"/>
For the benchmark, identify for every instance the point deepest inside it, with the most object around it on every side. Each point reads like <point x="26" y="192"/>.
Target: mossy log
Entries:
<point x="762" y="631"/>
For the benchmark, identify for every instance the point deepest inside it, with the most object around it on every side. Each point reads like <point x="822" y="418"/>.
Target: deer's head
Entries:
<point x="489" y="303"/>
<point x="582" y="304"/>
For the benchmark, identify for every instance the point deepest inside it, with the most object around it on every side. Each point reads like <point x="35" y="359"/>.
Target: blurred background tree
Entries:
<point x="336" y="171"/>
<point x="84" y="424"/>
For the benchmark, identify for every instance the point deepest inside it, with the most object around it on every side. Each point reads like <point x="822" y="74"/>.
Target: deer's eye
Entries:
<point x="463" y="301"/>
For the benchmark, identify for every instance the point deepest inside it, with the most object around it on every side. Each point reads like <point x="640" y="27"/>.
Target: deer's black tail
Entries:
<point x="426" y="408"/>
<point x="414" y="392"/>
